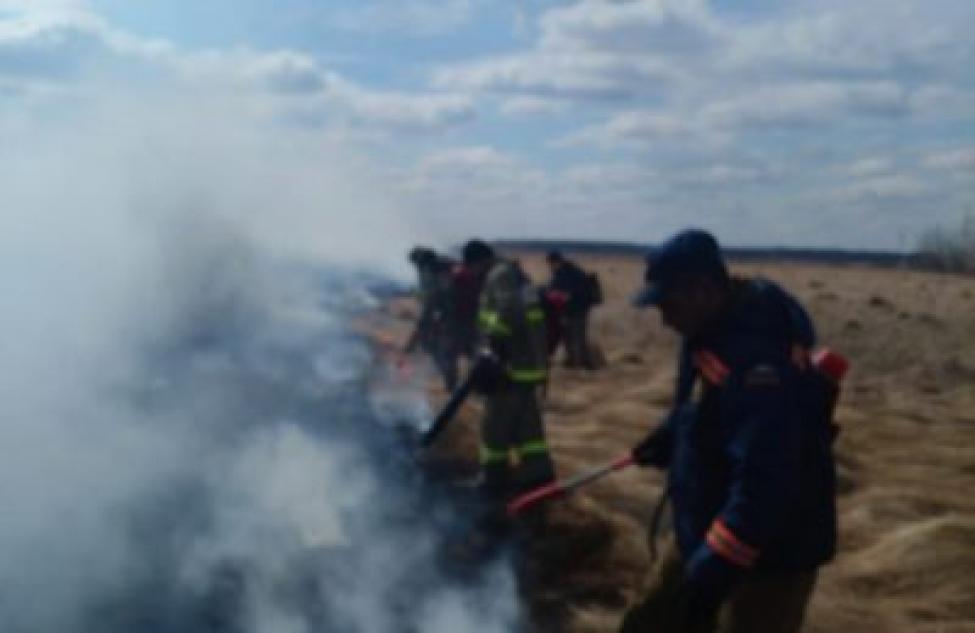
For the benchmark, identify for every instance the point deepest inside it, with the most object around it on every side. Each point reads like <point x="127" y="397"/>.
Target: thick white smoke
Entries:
<point x="186" y="441"/>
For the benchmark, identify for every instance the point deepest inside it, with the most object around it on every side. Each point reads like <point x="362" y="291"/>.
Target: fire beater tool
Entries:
<point x="564" y="487"/>
<point x="448" y="411"/>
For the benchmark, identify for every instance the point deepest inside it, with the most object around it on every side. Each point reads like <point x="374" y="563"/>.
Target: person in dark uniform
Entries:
<point x="512" y="325"/>
<point x="435" y="331"/>
<point x="571" y="280"/>
<point x="751" y="470"/>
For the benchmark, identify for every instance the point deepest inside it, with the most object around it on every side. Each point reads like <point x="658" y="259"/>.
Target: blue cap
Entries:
<point x="690" y="254"/>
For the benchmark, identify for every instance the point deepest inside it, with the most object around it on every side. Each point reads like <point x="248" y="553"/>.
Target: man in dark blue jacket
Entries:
<point x="575" y="283"/>
<point x="751" y="471"/>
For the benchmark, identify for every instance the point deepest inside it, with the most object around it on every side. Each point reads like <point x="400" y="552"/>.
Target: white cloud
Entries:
<point x="612" y="176"/>
<point x="418" y="17"/>
<point x="37" y="6"/>
<point x="809" y="103"/>
<point x="722" y="102"/>
<point x="403" y="110"/>
<point x="798" y="68"/>
<point x="532" y="106"/>
<point x="476" y="157"/>
<point x="476" y="173"/>
<point x="79" y="46"/>
<point x="943" y="101"/>
<point x="649" y="124"/>
<point x="462" y="191"/>
<point x="635" y="128"/>
<point x="884" y="187"/>
<point x="287" y="72"/>
<point x="723" y="175"/>
<point x="595" y="43"/>
<point x="871" y="166"/>
<point x="798" y="105"/>
<point x="959" y="159"/>
<point x="58" y="46"/>
<point x="591" y="75"/>
<point x="598" y="50"/>
<point x="663" y="27"/>
<point x="855" y="41"/>
<point x="819" y="103"/>
<point x="636" y="179"/>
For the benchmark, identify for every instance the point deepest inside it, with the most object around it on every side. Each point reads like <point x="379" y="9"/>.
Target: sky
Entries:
<point x="793" y="122"/>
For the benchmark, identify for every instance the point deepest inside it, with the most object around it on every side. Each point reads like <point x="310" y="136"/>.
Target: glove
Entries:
<point x="657" y="448"/>
<point x="709" y="579"/>
<point x="650" y="451"/>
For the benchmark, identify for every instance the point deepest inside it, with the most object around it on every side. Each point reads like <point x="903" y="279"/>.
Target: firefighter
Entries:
<point x="799" y="325"/>
<point x="514" y="454"/>
<point x="434" y="331"/>
<point x="751" y="472"/>
<point x="577" y="285"/>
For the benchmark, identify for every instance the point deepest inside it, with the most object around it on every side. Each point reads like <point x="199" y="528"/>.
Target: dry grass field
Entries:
<point x="906" y="454"/>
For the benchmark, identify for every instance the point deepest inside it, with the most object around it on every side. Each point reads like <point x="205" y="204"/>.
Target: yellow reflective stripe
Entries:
<point x="536" y="315"/>
<point x="493" y="455"/>
<point x="491" y="323"/>
<point x="527" y="375"/>
<point x="535" y="447"/>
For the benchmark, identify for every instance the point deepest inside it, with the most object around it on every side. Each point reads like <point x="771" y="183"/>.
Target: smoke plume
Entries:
<point x="188" y="441"/>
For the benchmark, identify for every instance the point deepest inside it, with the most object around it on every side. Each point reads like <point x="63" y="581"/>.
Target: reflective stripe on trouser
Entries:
<point x="535" y="315"/>
<point x="513" y="423"/>
<point x="763" y="602"/>
<point x="533" y="376"/>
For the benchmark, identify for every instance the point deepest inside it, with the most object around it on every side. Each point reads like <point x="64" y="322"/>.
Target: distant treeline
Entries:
<point x="952" y="248"/>
<point x="755" y="254"/>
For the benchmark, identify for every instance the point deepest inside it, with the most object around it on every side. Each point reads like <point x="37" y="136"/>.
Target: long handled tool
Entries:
<point x="449" y="410"/>
<point x="561" y="488"/>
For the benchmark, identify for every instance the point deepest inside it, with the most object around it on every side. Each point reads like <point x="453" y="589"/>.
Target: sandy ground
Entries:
<point x="906" y="454"/>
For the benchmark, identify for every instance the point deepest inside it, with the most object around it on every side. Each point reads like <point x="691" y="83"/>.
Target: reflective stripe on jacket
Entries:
<point x="751" y="468"/>
<point x="513" y="321"/>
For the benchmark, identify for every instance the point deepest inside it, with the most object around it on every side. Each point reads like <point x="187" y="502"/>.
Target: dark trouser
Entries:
<point x="446" y="360"/>
<point x="513" y="424"/>
<point x="575" y="325"/>
<point x="465" y="337"/>
<point x="458" y="339"/>
<point x="443" y="350"/>
<point x="763" y="602"/>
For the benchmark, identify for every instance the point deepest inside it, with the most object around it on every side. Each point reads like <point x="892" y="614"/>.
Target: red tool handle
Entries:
<point x="559" y="488"/>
